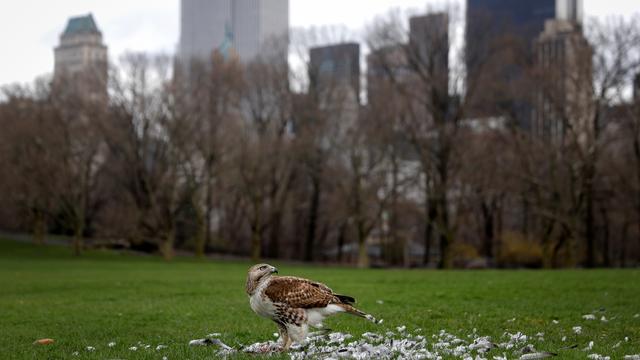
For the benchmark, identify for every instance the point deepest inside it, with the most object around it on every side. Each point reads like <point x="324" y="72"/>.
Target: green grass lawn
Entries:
<point x="104" y="297"/>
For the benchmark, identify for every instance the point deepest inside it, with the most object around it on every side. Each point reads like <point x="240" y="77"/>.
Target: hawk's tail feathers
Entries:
<point x="345" y="299"/>
<point x="353" y="311"/>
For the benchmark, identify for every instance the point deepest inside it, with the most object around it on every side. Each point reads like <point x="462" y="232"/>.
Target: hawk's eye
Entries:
<point x="262" y="267"/>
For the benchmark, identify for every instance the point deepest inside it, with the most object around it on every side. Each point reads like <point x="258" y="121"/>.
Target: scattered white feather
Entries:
<point x="518" y="338"/>
<point x="133" y="348"/>
<point x="198" y="342"/>
<point x="555" y="322"/>
<point x="604" y="319"/>
<point x="75" y="353"/>
<point x="632" y="357"/>
<point x="536" y="355"/>
<point x="589" y="317"/>
<point x="379" y="302"/>
<point x="589" y="347"/>
<point x="91" y="348"/>
<point x="401" y="344"/>
<point x="111" y="344"/>
<point x="160" y="347"/>
<point x="577" y="329"/>
<point x="598" y="357"/>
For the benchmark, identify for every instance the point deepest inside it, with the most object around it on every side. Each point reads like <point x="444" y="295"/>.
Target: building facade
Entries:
<point x="335" y="66"/>
<point x="383" y="65"/>
<point x="429" y="45"/>
<point x="82" y="55"/>
<point x="489" y="19"/>
<point x="562" y="99"/>
<point x="242" y="28"/>
<point x="499" y="37"/>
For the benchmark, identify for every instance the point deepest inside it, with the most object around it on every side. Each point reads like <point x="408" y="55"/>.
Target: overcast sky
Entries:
<point x="29" y="29"/>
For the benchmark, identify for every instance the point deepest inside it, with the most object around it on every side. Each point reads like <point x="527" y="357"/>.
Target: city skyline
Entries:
<point x="243" y="28"/>
<point x="154" y="26"/>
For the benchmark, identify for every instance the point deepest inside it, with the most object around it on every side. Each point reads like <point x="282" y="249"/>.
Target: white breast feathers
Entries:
<point x="260" y="303"/>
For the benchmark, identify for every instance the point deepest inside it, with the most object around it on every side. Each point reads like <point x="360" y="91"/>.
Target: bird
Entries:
<point x="295" y="303"/>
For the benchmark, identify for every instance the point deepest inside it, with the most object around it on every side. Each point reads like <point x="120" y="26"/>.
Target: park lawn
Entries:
<point x="105" y="297"/>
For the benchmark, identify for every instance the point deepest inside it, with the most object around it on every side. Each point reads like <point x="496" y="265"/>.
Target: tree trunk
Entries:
<point x="445" y="255"/>
<point x="525" y="215"/>
<point x="256" y="238"/>
<point x="488" y="222"/>
<point x="201" y="237"/>
<point x="78" y="245"/>
<point x="78" y="234"/>
<point x="256" y="246"/>
<point x="39" y="228"/>
<point x="166" y="247"/>
<point x="623" y="245"/>
<point x="431" y="212"/>
<point x="312" y="220"/>
<point x="498" y="230"/>
<point x="274" y="241"/>
<point x="341" y="236"/>
<point x="363" y="256"/>
<point x="207" y="213"/>
<point x="605" y="237"/>
<point x="564" y="238"/>
<point x="445" y="241"/>
<point x="78" y="240"/>
<point x="548" y="250"/>
<point x="636" y="152"/>
<point x="589" y="220"/>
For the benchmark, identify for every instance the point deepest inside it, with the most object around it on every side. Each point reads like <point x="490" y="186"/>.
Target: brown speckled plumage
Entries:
<point x="300" y="293"/>
<point x="294" y="303"/>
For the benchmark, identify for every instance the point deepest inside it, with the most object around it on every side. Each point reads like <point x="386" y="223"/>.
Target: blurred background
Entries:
<point x="471" y="134"/>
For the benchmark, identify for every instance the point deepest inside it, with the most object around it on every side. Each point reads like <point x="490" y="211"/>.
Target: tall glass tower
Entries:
<point x="242" y="27"/>
<point x="491" y="25"/>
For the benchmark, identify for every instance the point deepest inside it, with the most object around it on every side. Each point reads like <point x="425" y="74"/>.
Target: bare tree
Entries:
<point x="29" y="178"/>
<point x="207" y="97"/>
<point x="143" y="139"/>
<point x="264" y="163"/>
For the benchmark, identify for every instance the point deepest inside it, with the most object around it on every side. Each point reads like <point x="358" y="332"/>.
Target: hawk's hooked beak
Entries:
<point x="274" y="270"/>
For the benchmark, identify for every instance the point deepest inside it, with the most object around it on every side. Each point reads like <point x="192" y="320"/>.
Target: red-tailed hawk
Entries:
<point x="294" y="303"/>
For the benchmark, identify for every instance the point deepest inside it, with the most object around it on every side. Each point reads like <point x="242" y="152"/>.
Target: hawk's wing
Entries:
<point x="299" y="293"/>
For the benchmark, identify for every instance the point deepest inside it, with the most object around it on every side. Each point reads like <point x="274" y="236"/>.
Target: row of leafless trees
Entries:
<point x="224" y="157"/>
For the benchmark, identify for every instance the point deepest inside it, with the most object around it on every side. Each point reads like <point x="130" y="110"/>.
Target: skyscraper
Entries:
<point x="564" y="85"/>
<point x="429" y="42"/>
<point x="335" y="65"/>
<point x="424" y="61"/>
<point x="488" y="19"/>
<point x="384" y="65"/>
<point x="243" y="28"/>
<point x="82" y="56"/>
<point x="492" y="26"/>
